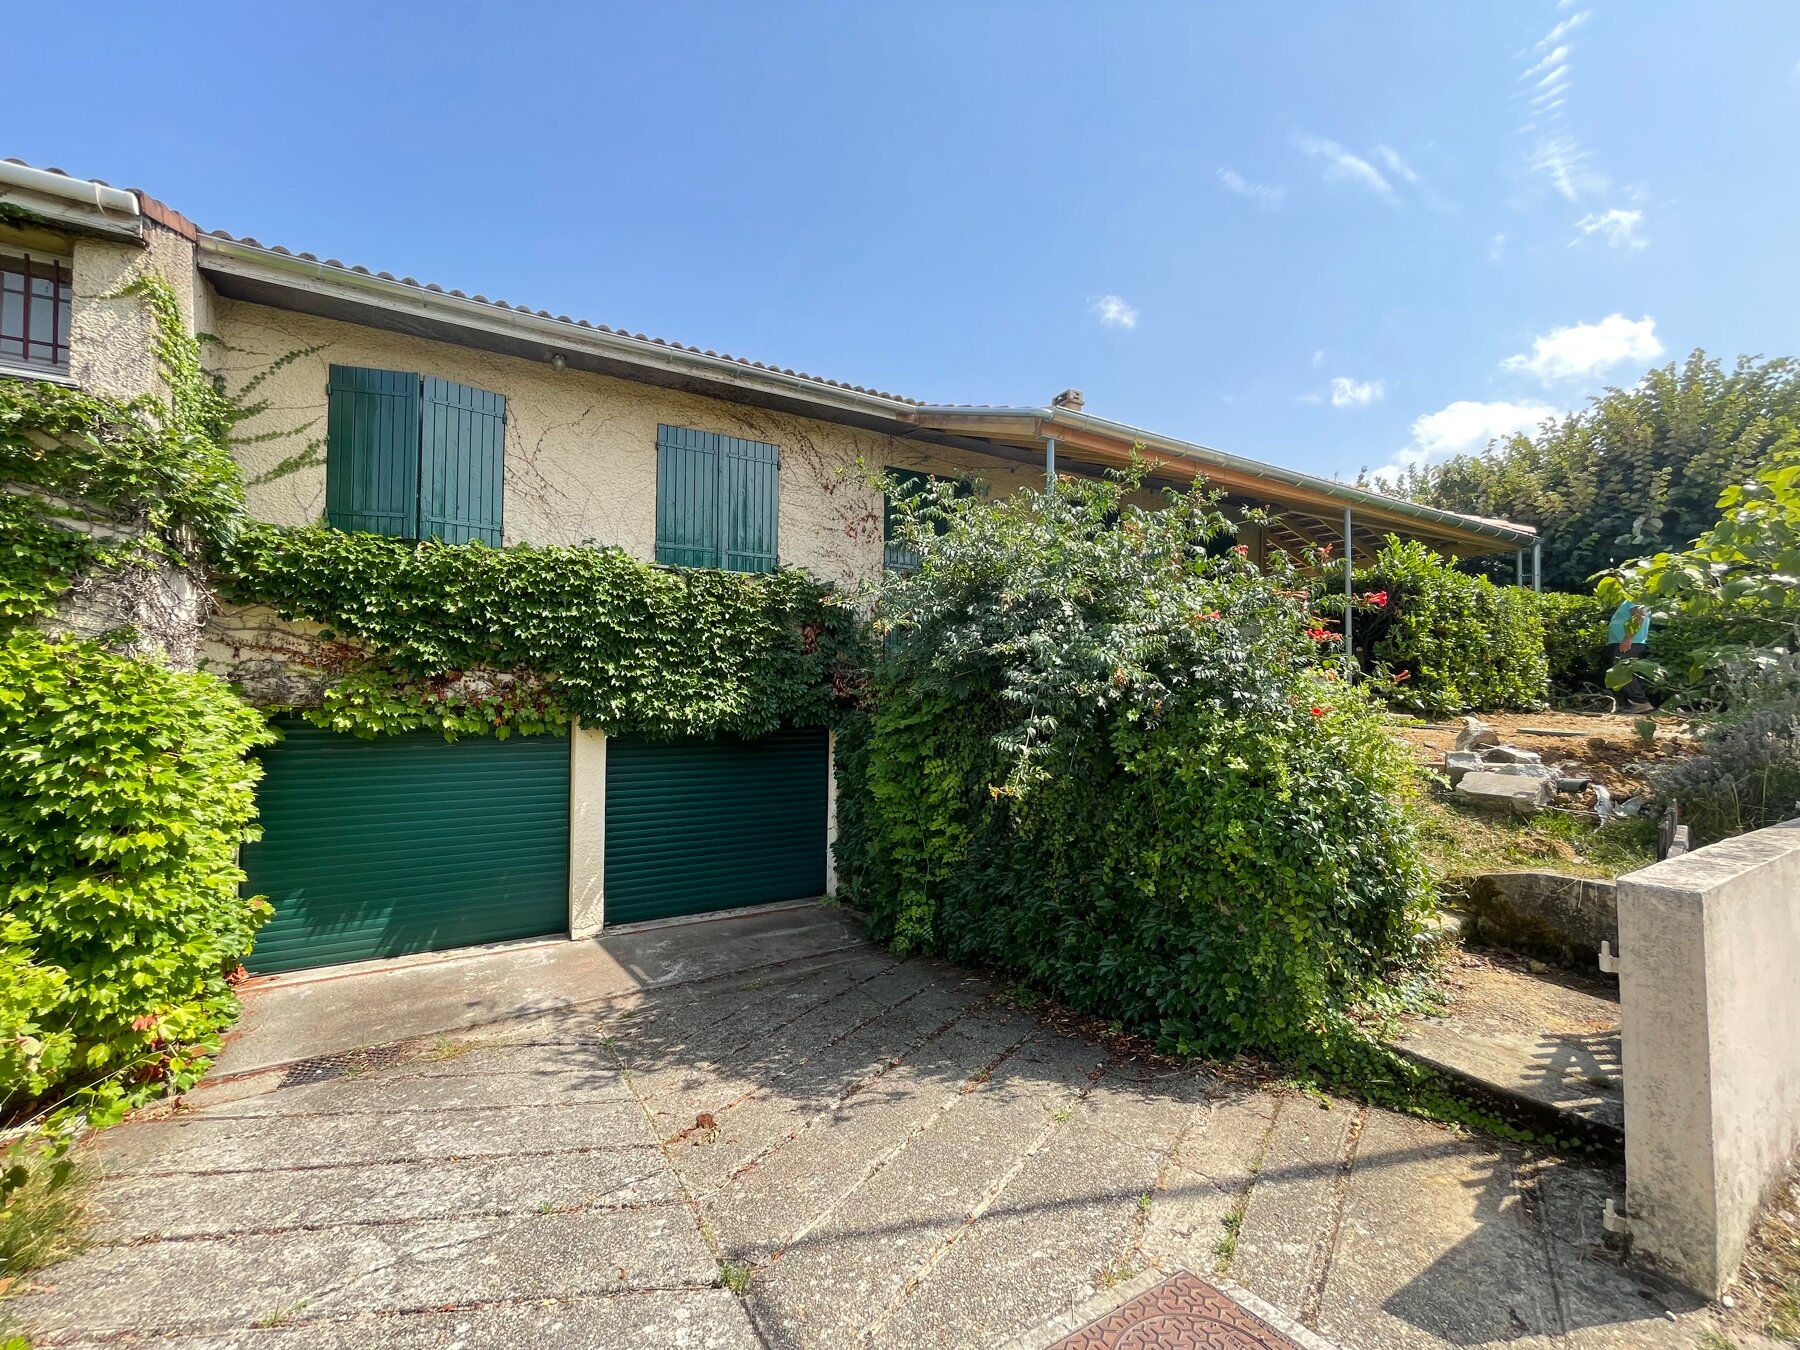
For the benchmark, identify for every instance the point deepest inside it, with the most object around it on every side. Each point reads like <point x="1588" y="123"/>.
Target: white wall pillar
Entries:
<point x="587" y="831"/>
<point x="831" y="813"/>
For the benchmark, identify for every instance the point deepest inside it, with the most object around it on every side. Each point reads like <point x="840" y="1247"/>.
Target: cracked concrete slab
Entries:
<point x="898" y="1158"/>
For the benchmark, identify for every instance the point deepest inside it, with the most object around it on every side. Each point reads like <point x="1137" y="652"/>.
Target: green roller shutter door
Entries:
<point x="700" y="825"/>
<point x="407" y="843"/>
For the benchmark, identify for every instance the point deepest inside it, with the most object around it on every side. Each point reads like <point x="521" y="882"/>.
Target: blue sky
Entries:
<point x="1324" y="235"/>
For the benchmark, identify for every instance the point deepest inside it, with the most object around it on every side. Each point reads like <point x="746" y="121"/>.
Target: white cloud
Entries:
<point x="1112" y="311"/>
<point x="1563" y="29"/>
<point x="1464" y="427"/>
<point x="1319" y="357"/>
<point x="1399" y="167"/>
<point x="1618" y="227"/>
<point x="1496" y="248"/>
<point x="1562" y="158"/>
<point x="1263" y="194"/>
<point x="1557" y="57"/>
<point x="1586" y="349"/>
<point x="1349" y="393"/>
<point x="1341" y="165"/>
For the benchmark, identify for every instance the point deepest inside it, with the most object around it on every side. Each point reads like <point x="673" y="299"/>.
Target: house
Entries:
<point x="407" y="409"/>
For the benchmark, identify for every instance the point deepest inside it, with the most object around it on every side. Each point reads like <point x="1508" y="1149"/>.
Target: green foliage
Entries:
<point x="569" y="632"/>
<point x="124" y="793"/>
<point x="1746" y="776"/>
<point x="39" y="559"/>
<point x="1574" y="638"/>
<point x="1449" y="641"/>
<point x="1637" y="472"/>
<point x="1102" y="756"/>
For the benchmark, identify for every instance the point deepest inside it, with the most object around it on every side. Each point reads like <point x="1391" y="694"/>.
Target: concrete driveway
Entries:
<point x="778" y="1135"/>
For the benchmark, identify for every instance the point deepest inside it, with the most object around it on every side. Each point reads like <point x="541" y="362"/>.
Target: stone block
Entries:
<point x="1545" y="913"/>
<point x="1510" y="754"/>
<point x="1476" y="733"/>
<point x="1504" y="791"/>
<point x="1459" y="762"/>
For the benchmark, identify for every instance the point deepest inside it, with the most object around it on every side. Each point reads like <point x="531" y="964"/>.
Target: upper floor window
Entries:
<point x="414" y="456"/>
<point x="34" y="311"/>
<point x="898" y="555"/>
<point x="717" y="500"/>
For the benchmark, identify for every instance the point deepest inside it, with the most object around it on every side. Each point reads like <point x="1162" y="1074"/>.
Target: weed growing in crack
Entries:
<point x="734" y="1277"/>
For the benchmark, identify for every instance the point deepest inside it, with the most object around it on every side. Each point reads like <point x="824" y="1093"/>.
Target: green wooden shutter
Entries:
<point x="687" y="497"/>
<point x="750" y="488"/>
<point x="372" y="451"/>
<point x="462" y="463"/>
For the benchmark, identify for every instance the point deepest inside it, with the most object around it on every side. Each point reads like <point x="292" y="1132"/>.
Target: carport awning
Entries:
<point x="1307" y="510"/>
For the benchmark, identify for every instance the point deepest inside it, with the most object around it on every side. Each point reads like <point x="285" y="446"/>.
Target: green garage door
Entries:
<point x="407" y="843"/>
<point x="712" y="824"/>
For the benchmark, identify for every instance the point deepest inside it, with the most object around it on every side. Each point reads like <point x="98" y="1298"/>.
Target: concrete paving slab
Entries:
<point x="758" y="1211"/>
<point x="434" y="1092"/>
<point x="1540" y="1038"/>
<point x="208" y="1284"/>
<point x="248" y="1143"/>
<point x="1206" y="1175"/>
<point x="133" y="1209"/>
<point x="1286" y="1224"/>
<point x="1465" y="1268"/>
<point x="846" y="1274"/>
<point x="312" y="1013"/>
<point x="1071" y="1221"/>
<point x="707" y="1319"/>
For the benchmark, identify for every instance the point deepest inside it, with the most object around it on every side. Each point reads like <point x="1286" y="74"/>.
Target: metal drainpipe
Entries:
<point x="1519" y="566"/>
<point x="1537" y="567"/>
<point x="1050" y="462"/>
<point x="1349" y="583"/>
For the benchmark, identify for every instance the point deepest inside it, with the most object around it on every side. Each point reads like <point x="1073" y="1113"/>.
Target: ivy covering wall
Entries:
<point x="124" y="785"/>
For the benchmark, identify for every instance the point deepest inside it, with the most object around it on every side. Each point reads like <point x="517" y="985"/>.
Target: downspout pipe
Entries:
<point x="1537" y="566"/>
<point x="83" y="190"/>
<point x="1349" y="584"/>
<point x="1049" y="462"/>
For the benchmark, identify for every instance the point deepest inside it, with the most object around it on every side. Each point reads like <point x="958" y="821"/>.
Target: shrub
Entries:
<point x="1455" y="642"/>
<point x="1574" y="639"/>
<point x="125" y="789"/>
<point x="1747" y="774"/>
<point x="1103" y="757"/>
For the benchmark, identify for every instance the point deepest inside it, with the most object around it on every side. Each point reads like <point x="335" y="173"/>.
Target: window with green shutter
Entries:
<point x="896" y="555"/>
<point x="414" y="456"/>
<point x="717" y="501"/>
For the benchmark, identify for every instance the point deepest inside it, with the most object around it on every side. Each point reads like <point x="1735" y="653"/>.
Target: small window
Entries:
<point x="898" y="556"/>
<point x="34" y="311"/>
<point x="718" y="501"/>
<point x="414" y="456"/>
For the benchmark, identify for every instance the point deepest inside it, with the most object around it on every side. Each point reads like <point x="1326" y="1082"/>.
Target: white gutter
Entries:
<point x="1270" y="473"/>
<point x="83" y="190"/>
<point x="233" y="258"/>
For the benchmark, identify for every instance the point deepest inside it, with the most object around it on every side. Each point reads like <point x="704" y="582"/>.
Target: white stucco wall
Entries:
<point x="580" y="448"/>
<point x="111" y="336"/>
<point x="1709" y="992"/>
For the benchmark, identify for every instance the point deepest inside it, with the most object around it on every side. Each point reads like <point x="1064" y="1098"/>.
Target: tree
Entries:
<point x="1637" y="472"/>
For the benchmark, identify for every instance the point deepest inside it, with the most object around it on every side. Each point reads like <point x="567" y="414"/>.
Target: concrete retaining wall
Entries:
<point x="1545" y="913"/>
<point x="1710" y="1000"/>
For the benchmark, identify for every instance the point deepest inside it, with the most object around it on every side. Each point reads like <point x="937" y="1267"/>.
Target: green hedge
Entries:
<point x="1454" y="642"/>
<point x="1574" y="639"/>
<point x="124" y="792"/>
<point x="1102" y="757"/>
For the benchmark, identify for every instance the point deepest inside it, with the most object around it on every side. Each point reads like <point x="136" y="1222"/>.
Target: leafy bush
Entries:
<point x="124" y="792"/>
<point x="599" y="634"/>
<point x="1746" y="776"/>
<point x="1574" y="638"/>
<point x="1102" y="756"/>
<point x="1453" y="642"/>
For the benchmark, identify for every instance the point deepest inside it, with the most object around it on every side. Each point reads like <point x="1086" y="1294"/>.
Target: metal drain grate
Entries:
<point x="325" y="1067"/>
<point x="1182" y="1313"/>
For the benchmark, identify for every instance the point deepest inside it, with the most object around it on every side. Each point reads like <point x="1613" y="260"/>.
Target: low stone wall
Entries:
<point x="1544" y="913"/>
<point x="1709" y="988"/>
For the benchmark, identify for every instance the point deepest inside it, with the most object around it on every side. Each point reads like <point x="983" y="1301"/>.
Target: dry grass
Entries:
<point x="1462" y="841"/>
<point x="40" y="1223"/>
<point x="1767" y="1293"/>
